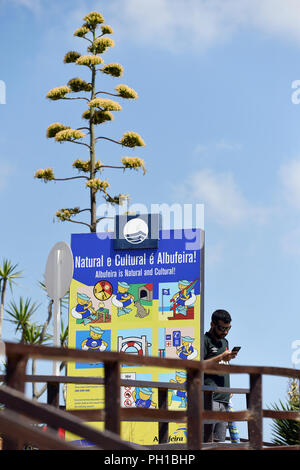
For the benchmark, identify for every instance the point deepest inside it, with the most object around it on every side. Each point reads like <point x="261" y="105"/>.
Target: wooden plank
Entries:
<point x="194" y="409"/>
<point x="163" y="427"/>
<point x="11" y="424"/>
<point x="52" y="416"/>
<point x="225" y="446"/>
<point x="66" y="354"/>
<point x="126" y="383"/>
<point x="89" y="416"/>
<point x="15" y="371"/>
<point x="15" y="378"/>
<point x="53" y="394"/>
<point x="240" y="369"/>
<point x="207" y="427"/>
<point x="274" y="447"/>
<point x="143" y="414"/>
<point x="226" y="415"/>
<point x="295" y="415"/>
<point x="136" y="414"/>
<point x="170" y="447"/>
<point x="255" y="423"/>
<point x="112" y="397"/>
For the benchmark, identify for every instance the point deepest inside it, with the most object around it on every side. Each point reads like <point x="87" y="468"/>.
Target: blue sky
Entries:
<point x="215" y="109"/>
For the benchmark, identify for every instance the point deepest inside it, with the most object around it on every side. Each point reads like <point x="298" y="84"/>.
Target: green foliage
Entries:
<point x="64" y="332"/>
<point x="8" y="273"/>
<point x="20" y="315"/>
<point x="32" y="334"/>
<point x="286" y="431"/>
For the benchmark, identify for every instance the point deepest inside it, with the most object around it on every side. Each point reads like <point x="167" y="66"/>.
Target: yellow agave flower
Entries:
<point x="105" y="104"/>
<point x="89" y="60"/>
<point x="69" y="134"/>
<point x="126" y="92"/>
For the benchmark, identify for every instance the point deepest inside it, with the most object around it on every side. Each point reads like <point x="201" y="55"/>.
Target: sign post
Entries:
<point x="58" y="276"/>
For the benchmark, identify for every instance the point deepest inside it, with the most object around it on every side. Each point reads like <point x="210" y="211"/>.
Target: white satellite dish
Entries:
<point x="58" y="277"/>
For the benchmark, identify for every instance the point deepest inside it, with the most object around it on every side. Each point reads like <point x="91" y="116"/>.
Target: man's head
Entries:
<point x="220" y="323"/>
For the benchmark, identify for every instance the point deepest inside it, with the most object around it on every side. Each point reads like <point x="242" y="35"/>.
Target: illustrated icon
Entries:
<point x="135" y="231"/>
<point x="103" y="290"/>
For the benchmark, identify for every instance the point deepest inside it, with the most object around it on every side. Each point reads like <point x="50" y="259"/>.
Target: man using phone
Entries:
<point x="216" y="350"/>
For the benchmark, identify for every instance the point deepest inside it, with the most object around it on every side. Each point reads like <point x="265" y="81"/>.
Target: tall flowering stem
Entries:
<point x="99" y="111"/>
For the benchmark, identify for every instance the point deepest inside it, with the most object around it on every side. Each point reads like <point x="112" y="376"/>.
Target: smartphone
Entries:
<point x="236" y="348"/>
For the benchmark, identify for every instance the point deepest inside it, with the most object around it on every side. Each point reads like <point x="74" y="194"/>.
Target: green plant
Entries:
<point x="286" y="431"/>
<point x="99" y="111"/>
<point x="8" y="275"/>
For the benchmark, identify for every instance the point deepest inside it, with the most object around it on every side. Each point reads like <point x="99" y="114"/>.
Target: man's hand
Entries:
<point x="227" y="355"/>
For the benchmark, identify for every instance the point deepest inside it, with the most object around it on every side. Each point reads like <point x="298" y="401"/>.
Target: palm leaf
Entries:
<point x="285" y="431"/>
<point x="8" y="272"/>
<point x="20" y="314"/>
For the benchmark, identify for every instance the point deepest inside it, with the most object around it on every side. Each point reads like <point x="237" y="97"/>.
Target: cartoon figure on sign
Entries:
<point x="143" y="397"/>
<point x="184" y="298"/>
<point x="83" y="310"/>
<point x="123" y="299"/>
<point x="180" y="378"/>
<point x="94" y="341"/>
<point x="186" y="350"/>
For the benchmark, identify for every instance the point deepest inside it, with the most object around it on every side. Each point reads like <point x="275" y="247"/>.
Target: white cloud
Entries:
<point x="222" y="198"/>
<point x="180" y="24"/>
<point x="289" y="175"/>
<point x="177" y="25"/>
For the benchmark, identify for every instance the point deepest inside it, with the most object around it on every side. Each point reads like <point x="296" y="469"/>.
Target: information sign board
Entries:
<point x="141" y="302"/>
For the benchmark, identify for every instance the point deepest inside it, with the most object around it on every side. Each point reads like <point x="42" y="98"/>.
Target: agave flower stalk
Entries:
<point x="100" y="110"/>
